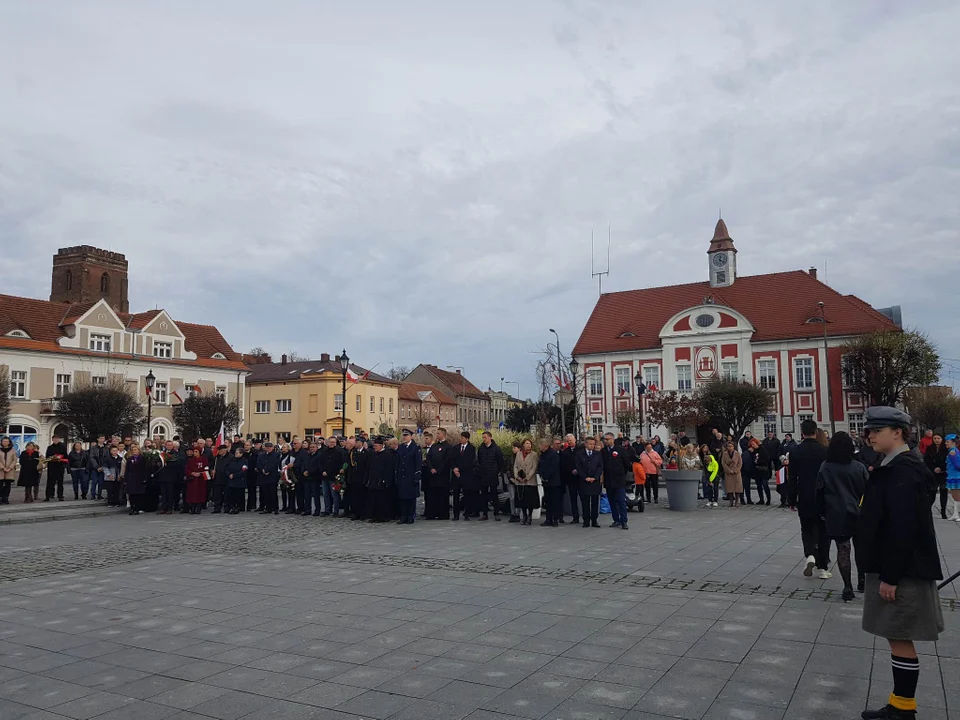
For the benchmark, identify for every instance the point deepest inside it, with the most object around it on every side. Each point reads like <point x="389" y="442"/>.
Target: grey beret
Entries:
<point x="882" y="416"/>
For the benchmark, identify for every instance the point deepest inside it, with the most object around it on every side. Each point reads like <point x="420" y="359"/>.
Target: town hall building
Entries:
<point x="783" y="331"/>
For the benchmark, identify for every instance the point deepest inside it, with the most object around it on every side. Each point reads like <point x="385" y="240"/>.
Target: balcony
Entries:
<point x="49" y="406"/>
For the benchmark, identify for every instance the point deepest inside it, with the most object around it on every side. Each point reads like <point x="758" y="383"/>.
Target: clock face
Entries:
<point x="720" y="259"/>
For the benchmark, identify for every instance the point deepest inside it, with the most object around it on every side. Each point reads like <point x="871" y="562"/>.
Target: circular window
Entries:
<point x="704" y="321"/>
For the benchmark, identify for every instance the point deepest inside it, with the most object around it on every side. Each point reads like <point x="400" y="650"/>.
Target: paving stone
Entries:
<point x="375" y="704"/>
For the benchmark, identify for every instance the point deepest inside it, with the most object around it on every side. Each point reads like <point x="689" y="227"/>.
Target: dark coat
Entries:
<point x="237" y="471"/>
<point x="409" y="467"/>
<point x="268" y="468"/>
<point x="438" y="459"/>
<point x="331" y="462"/>
<point x="869" y="457"/>
<point x="788" y="446"/>
<point x="490" y="465"/>
<point x="568" y="465"/>
<point x="382" y="470"/>
<point x="251" y="457"/>
<point x="96" y="455"/>
<point x="172" y="470"/>
<point x="589" y="467"/>
<point x="77" y="460"/>
<point x="218" y="469"/>
<point x="136" y="472"/>
<point x="771" y="446"/>
<point x="616" y="466"/>
<point x="312" y="467"/>
<point x="896" y="537"/>
<point x="804" y="467"/>
<point x="935" y="457"/>
<point x="115" y="464"/>
<point x="761" y="464"/>
<point x="55" y="470"/>
<point x="466" y="461"/>
<point x="359" y="461"/>
<point x="549" y="468"/>
<point x="840" y="488"/>
<point x="29" y="469"/>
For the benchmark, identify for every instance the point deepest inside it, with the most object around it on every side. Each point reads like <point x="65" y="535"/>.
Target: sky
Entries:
<point x="418" y="181"/>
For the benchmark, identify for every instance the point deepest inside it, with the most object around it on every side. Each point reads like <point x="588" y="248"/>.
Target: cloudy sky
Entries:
<point x="417" y="181"/>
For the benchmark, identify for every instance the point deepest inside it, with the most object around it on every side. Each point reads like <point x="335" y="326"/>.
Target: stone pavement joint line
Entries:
<point x="248" y="540"/>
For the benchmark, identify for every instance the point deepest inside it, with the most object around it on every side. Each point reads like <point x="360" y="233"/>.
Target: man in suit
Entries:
<point x="548" y="468"/>
<point x="464" y="467"/>
<point x="56" y="464"/>
<point x="568" y="474"/>
<point x="616" y="466"/>
<point x="805" y="462"/>
<point x="409" y="468"/>
<point x="436" y="481"/>
<point x="590" y="472"/>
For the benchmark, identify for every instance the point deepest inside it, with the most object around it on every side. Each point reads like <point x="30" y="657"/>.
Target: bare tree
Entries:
<point x="294" y="356"/>
<point x="398" y="373"/>
<point x="4" y="395"/>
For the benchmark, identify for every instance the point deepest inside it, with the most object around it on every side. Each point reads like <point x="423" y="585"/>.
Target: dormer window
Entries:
<point x="704" y="320"/>
<point x="218" y="356"/>
<point x="162" y="349"/>
<point x="627" y="334"/>
<point x="99" y="343"/>
<point x="815" y="319"/>
<point x="18" y="333"/>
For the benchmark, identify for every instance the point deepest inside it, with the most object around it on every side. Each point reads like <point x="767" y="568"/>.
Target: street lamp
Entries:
<point x="344" y="366"/>
<point x="149" y="382"/>
<point x="563" y="414"/>
<point x="641" y="391"/>
<point x="826" y="362"/>
<point x="574" y="369"/>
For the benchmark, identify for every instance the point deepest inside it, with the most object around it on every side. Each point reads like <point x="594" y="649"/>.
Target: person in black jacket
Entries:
<point x="237" y="470"/>
<point x="170" y="476"/>
<point x="568" y="474"/>
<point x="490" y="466"/>
<point x="590" y="472"/>
<point x="312" y="473"/>
<point x="804" y="466"/>
<point x="463" y="465"/>
<point x="936" y="460"/>
<point x="218" y="472"/>
<point x="77" y="467"/>
<point x="332" y="459"/>
<point x="381" y="471"/>
<point x="548" y="468"/>
<point x="436" y="478"/>
<point x="95" y="457"/>
<point x="56" y="457"/>
<point x="358" y="459"/>
<point x="899" y="553"/>
<point x="254" y="450"/>
<point x="762" y="470"/>
<point x="616" y="466"/>
<point x="268" y="477"/>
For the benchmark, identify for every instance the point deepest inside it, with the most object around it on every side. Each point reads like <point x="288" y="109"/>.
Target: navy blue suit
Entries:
<point x="409" y="467"/>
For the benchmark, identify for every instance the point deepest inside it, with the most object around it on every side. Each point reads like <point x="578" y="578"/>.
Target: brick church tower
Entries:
<point x="84" y="274"/>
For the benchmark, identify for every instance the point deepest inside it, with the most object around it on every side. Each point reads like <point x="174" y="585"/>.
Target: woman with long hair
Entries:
<point x="135" y="471"/>
<point x="8" y="468"/>
<point x="732" y="479"/>
<point x="525" y="478"/>
<point x="935" y="457"/>
<point x="761" y="470"/>
<point x="31" y="465"/>
<point x="840" y="485"/>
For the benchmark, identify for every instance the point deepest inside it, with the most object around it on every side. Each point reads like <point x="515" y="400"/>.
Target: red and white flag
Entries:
<point x="221" y="437"/>
<point x="354" y="379"/>
<point x="186" y="391"/>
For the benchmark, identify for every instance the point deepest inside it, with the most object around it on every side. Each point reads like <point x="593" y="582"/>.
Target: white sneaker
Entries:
<point x="715" y="505"/>
<point x="811" y="563"/>
<point x="825" y="574"/>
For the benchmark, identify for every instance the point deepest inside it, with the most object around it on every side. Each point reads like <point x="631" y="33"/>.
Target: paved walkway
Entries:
<point x="701" y="615"/>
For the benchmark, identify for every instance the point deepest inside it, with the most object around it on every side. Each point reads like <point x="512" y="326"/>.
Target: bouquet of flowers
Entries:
<point x="58" y="458"/>
<point x="287" y="480"/>
<point x="338" y="482"/>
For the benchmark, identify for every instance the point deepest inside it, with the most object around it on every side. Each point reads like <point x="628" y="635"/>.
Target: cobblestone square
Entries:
<point x="699" y="615"/>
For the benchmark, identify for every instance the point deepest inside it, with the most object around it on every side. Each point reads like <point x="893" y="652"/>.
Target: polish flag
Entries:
<point x="184" y="392"/>
<point x="221" y="437"/>
<point x="354" y="379"/>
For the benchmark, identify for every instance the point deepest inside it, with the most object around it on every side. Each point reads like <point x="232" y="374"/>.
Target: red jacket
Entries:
<point x="197" y="485"/>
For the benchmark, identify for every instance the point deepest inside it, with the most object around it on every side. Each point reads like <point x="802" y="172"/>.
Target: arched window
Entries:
<point x="105" y="284"/>
<point x="69" y="280"/>
<point x="159" y="430"/>
<point x="20" y="435"/>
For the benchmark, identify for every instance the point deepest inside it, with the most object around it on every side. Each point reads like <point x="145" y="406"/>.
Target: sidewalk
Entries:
<point x="18" y="512"/>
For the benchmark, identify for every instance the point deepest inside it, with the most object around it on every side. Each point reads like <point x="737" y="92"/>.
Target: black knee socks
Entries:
<point x="906" y="672"/>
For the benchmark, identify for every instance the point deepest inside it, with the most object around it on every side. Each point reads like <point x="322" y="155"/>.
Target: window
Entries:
<point x="391" y="406"/>
<point x="596" y="423"/>
<point x="105" y="284"/>
<point x="381" y="404"/>
<point x="372" y="405"/>
<point x="721" y="277"/>
<point x="803" y="372"/>
<point x="651" y="376"/>
<point x="160" y="393"/>
<point x="769" y="424"/>
<point x="595" y="382"/>
<point x="261" y="436"/>
<point x="69" y="280"/>
<point x="705" y="320"/>
<point x="262" y="406"/>
<point x="684" y="377"/>
<point x="730" y="370"/>
<point x="159" y="430"/>
<point x="622" y="378"/>
<point x="338" y="403"/>
<point x="804" y="416"/>
<point x="99" y="343"/>
<point x="283" y="437"/>
<point x="358" y="402"/>
<point x="162" y="349"/>
<point x="284" y="406"/>
<point x="310" y="433"/>
<point x="18" y="383"/>
<point x="221" y="392"/>
<point x="852" y="376"/>
<point x="403" y="413"/>
<point x="767" y="374"/>
<point x="62" y="386"/>
<point x="856" y="424"/>
<point x="98" y="381"/>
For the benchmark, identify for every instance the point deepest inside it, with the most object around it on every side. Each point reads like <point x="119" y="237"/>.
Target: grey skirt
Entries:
<point x="915" y="614"/>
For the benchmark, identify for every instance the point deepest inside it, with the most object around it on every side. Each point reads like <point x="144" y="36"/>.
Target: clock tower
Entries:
<point x="722" y="256"/>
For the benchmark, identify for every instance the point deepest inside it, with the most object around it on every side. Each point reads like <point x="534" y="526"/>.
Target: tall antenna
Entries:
<point x="594" y="273"/>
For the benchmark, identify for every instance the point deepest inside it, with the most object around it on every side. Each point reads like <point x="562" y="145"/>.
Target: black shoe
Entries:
<point x="848" y="594"/>
<point x="561" y="522"/>
<point x="75" y="497"/>
<point x="546" y="523"/>
<point x="497" y="517"/>
<point x="624" y="527"/>
<point x="656" y="501"/>
<point x="575" y="520"/>
<point x="216" y="511"/>
<point x="860" y="587"/>
<point x="586" y="524"/>
<point x="614" y="524"/>
<point x="888" y="713"/>
<point x="465" y="517"/>
<point x="401" y="521"/>
<point x="514" y="518"/>
<point x="943" y="514"/>
<point x="594" y="523"/>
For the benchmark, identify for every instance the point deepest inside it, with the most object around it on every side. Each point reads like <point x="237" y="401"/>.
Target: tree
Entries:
<point x="934" y="408"/>
<point x="520" y="417"/>
<point x="199" y="416"/>
<point x="94" y="410"/>
<point x="675" y="411"/>
<point x="4" y="396"/>
<point x="294" y="356"/>
<point x="882" y="365"/>
<point x="422" y="417"/>
<point x="398" y="373"/>
<point x="257" y="356"/>
<point x="733" y="403"/>
<point x="626" y="419"/>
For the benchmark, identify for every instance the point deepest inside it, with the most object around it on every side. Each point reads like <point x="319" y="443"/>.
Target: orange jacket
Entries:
<point x="639" y="474"/>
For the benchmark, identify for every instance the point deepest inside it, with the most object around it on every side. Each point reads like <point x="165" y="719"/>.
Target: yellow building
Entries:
<point x="306" y="398"/>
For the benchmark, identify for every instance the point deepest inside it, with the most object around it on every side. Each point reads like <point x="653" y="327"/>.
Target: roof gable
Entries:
<point x="410" y="392"/>
<point x="162" y="324"/>
<point x="456" y="382"/>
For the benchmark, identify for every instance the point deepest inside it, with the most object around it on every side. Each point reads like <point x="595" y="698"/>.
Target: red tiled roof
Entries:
<point x="305" y="370"/>
<point x="409" y="390"/>
<point x="778" y="306"/>
<point x="45" y="323"/>
<point x="139" y="321"/>
<point x="721" y="238"/>
<point x="456" y="382"/>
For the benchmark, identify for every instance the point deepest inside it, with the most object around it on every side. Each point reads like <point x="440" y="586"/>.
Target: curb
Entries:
<point x="38" y="518"/>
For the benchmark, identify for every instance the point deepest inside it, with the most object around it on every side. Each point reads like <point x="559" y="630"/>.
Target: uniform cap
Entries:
<point x="378" y="440"/>
<point x="882" y="416"/>
<point x="952" y="437"/>
<point x="268" y="444"/>
<point x="406" y="432"/>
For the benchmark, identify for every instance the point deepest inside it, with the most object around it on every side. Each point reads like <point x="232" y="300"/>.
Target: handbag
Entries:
<point x="604" y="503"/>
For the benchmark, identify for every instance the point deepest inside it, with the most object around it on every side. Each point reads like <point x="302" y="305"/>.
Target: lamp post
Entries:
<point x="826" y="364"/>
<point x="563" y="414"/>
<point x="641" y="391"/>
<point x="344" y="366"/>
<point x="574" y="369"/>
<point x="149" y="382"/>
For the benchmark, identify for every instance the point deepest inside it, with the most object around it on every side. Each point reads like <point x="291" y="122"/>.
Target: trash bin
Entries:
<point x="682" y="486"/>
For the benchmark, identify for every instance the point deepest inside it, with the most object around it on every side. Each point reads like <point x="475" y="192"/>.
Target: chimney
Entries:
<point x="324" y="357"/>
<point x="458" y="372"/>
<point x="813" y="273"/>
<point x="283" y="359"/>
